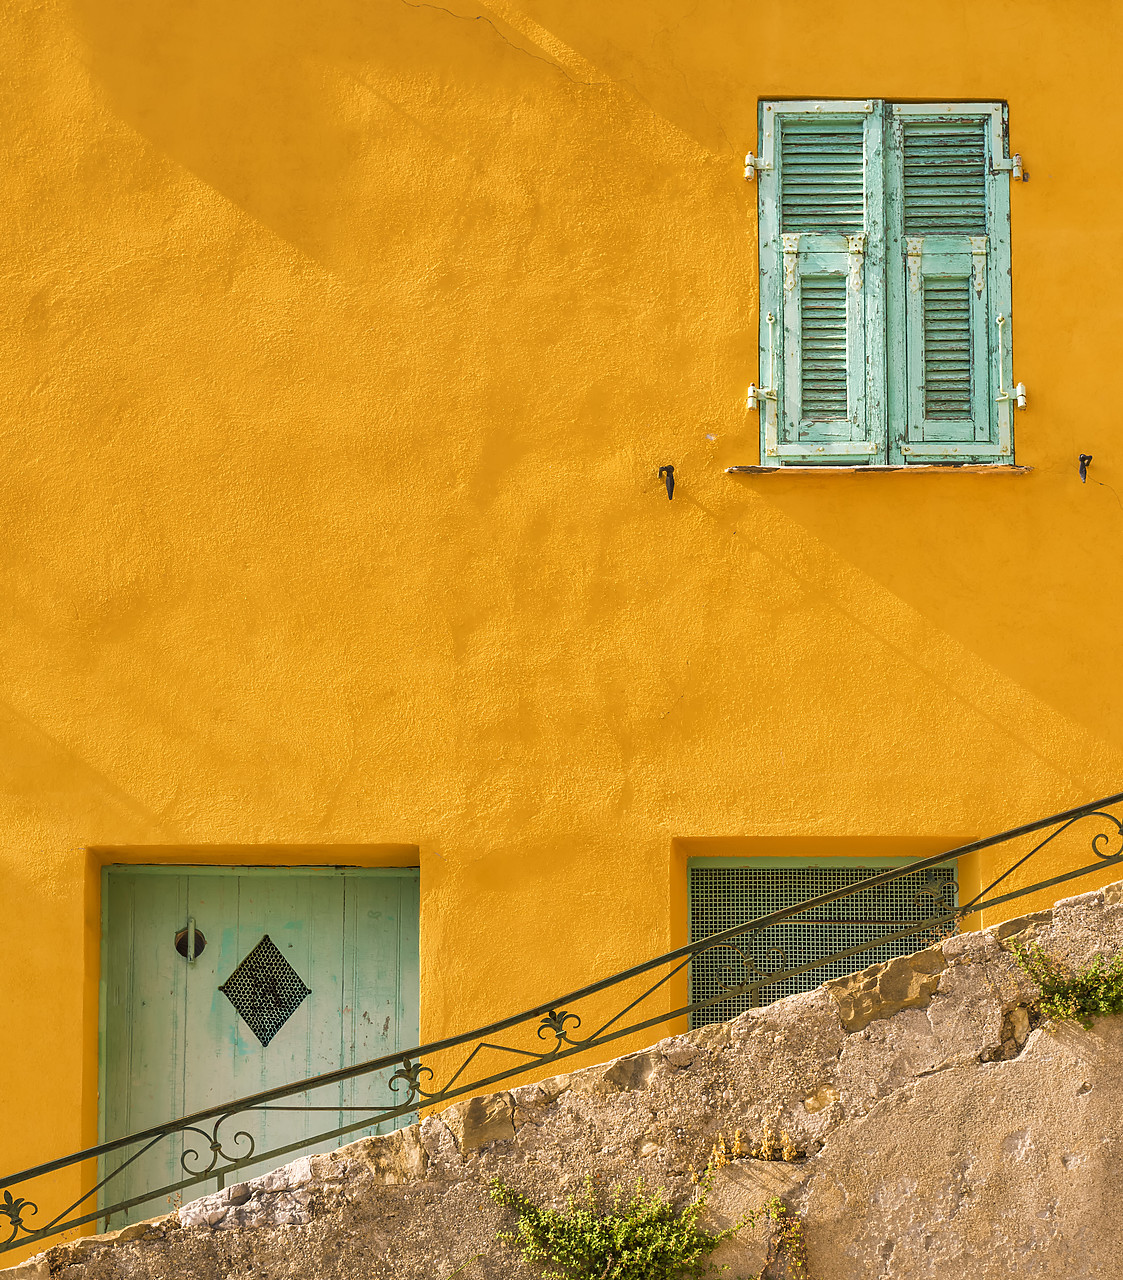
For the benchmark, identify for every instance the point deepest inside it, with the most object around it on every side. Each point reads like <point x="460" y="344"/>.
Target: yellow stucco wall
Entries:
<point x="343" y="343"/>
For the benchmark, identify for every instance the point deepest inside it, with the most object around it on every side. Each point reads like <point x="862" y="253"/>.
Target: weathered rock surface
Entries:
<point x="943" y="1135"/>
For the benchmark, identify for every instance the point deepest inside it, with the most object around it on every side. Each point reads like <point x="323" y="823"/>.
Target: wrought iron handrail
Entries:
<point x="552" y="1019"/>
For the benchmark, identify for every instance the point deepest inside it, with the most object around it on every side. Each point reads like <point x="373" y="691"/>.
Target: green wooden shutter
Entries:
<point x="822" y="262"/>
<point x="949" y="282"/>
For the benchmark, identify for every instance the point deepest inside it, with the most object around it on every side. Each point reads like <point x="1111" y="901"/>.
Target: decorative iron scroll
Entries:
<point x="218" y="1141"/>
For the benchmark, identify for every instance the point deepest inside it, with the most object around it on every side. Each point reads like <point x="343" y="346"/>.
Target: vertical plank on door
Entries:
<point x="205" y="1067"/>
<point x="409" y="960"/>
<point x="380" y="1012"/>
<point x="144" y="1025"/>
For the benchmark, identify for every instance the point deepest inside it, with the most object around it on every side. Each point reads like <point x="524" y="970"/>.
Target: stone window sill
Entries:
<point x="976" y="468"/>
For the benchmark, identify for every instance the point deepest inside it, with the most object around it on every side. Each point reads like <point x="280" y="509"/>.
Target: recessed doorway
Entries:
<point x="220" y="982"/>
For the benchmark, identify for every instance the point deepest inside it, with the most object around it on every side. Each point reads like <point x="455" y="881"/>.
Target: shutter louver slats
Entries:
<point x="822" y="256"/>
<point x="884" y="283"/>
<point x="947" y="348"/>
<point x="823" y="349"/>
<point x="945" y="177"/>
<point x="947" y="238"/>
<point x="822" y="186"/>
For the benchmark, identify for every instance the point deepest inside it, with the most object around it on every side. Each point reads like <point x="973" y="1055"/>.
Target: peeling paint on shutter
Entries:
<point x="885" y="265"/>
<point x="822" y="265"/>
<point x="945" y="177"/>
<point x="948" y="280"/>
<point x="947" y="348"/>
<point x="822" y="306"/>
<point x="822" y="166"/>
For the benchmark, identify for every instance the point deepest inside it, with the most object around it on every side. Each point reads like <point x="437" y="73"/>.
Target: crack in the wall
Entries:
<point x="608" y="81"/>
<point x="480" y="17"/>
<point x="666" y="36"/>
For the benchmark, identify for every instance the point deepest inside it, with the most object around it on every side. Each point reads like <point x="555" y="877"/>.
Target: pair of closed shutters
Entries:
<point x="885" y="283"/>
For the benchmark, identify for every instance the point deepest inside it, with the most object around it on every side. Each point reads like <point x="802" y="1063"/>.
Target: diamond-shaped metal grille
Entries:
<point x="722" y="897"/>
<point x="265" y="990"/>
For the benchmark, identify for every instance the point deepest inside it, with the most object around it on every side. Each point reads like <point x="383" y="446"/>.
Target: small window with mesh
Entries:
<point x="838" y="938"/>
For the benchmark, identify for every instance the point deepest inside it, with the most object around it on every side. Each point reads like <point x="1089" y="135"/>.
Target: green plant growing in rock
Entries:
<point x="788" y="1241"/>
<point x="1092" y="992"/>
<point x="641" y="1237"/>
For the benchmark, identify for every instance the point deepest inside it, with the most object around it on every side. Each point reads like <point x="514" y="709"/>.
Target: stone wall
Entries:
<point x="945" y="1136"/>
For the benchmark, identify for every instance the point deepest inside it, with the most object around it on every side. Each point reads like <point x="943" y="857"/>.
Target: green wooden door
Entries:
<point x="337" y="951"/>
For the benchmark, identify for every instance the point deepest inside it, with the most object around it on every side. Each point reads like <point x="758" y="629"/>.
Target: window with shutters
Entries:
<point x="884" y="284"/>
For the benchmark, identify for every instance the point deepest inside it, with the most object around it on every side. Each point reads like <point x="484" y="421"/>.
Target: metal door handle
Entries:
<point x="190" y="942"/>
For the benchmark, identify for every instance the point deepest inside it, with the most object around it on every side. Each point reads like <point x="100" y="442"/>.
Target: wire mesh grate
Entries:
<point x="265" y="990"/>
<point x="722" y="897"/>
